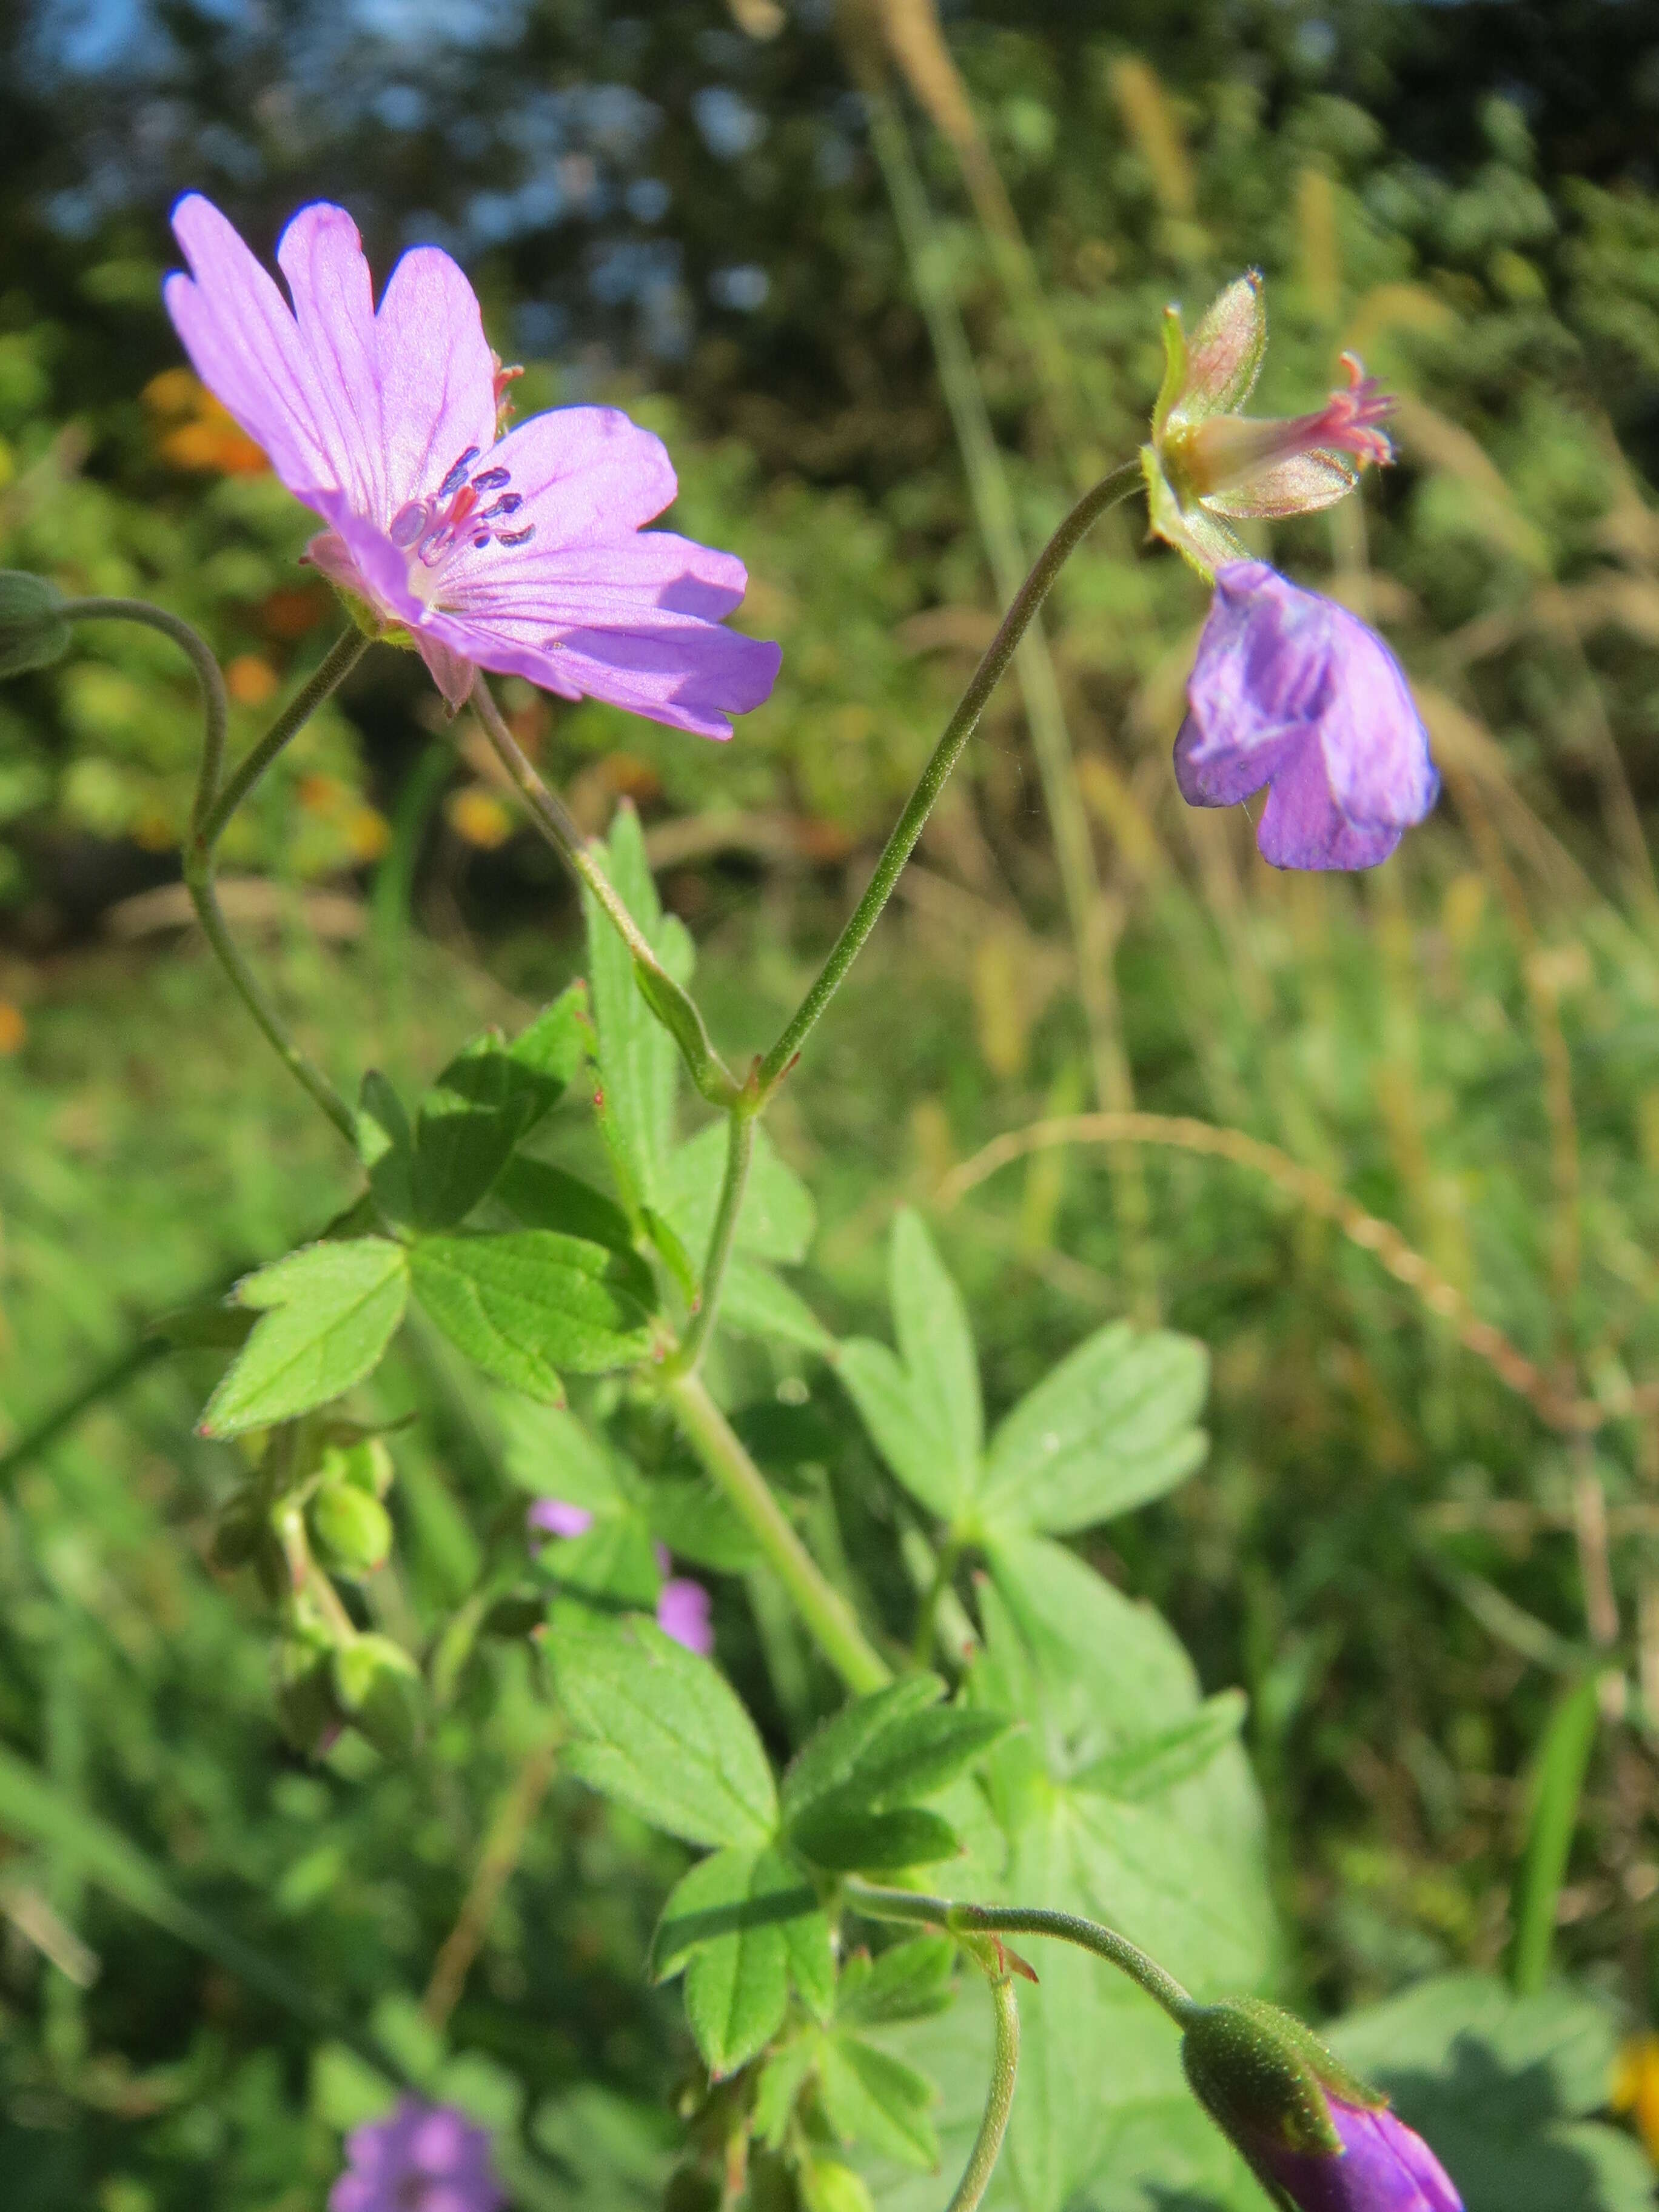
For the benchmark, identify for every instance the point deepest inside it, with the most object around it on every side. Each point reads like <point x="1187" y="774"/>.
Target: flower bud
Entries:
<point x="33" y="630"/>
<point x="1316" y="2137"/>
<point x="353" y="1529"/>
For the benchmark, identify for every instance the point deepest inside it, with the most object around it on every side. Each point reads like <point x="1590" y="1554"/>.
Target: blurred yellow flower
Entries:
<point x="193" y="431"/>
<point x="1635" y="2089"/>
<point x="13" y="1028"/>
<point x="479" y="817"/>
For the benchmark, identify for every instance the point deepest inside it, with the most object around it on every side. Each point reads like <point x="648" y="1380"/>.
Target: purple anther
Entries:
<point x="481" y="541"/>
<point x="457" y="476"/>
<point x="409" y="523"/>
<point x="492" y="479"/>
<point x="508" y="503"/>
<point x="515" y="537"/>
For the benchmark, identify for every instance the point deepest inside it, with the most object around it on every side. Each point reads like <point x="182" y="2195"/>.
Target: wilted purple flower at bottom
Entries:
<point x="1383" y="2167"/>
<point x="1291" y="691"/>
<point x="425" y="2158"/>
<point x="682" y="1606"/>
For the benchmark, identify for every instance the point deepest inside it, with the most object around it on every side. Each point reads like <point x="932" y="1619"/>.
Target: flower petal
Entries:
<point x="1301" y="825"/>
<point x="321" y="255"/>
<point x="1258" y="684"/>
<point x="1301" y="485"/>
<point x="1375" y="748"/>
<point x="436" y="375"/>
<point x="245" y="345"/>
<point x="587" y="476"/>
<point x="692" y="675"/>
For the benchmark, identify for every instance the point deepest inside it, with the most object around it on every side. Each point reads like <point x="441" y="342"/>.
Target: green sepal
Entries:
<point x="1266" y="2079"/>
<point x="1201" y="541"/>
<point x="1175" y="369"/>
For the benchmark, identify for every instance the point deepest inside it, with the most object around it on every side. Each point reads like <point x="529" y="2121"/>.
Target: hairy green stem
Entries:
<point x="672" y="1005"/>
<point x="740" y="1151"/>
<point x="826" y="1613"/>
<point x="216" y="710"/>
<point x="214" y="809"/>
<point x="900" y="845"/>
<point x="877" y="1904"/>
<point x="998" y="2099"/>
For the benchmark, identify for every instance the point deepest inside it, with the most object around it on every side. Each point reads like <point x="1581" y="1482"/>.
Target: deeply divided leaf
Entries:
<point x="328" y="1313"/>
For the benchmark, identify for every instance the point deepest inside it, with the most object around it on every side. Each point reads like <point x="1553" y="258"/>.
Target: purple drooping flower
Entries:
<point x="425" y="2158"/>
<point x="1293" y="691"/>
<point x="525" y="553"/>
<point x="684" y="1609"/>
<point x="1383" y="2167"/>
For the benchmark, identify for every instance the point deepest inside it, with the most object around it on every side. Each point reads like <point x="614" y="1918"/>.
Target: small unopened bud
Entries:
<point x="1316" y="2137"/>
<point x="33" y="630"/>
<point x="352" y="1529"/>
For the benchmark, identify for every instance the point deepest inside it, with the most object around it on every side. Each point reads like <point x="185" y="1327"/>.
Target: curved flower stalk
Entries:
<point x="525" y="553"/>
<point x="425" y="2158"/>
<point x="1291" y="691"/>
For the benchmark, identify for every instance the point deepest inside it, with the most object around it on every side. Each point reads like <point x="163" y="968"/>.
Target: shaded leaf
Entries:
<point x="909" y="1981"/>
<point x="724" y="1924"/>
<point x="831" y="1755"/>
<point x="778" y="1216"/>
<point x="543" y="1196"/>
<point x="841" y="1833"/>
<point x="469" y="1122"/>
<point x="760" y="1304"/>
<point x="871" y="2097"/>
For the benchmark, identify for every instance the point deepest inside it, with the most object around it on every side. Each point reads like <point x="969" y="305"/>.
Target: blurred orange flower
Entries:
<point x="250" y="680"/>
<point x="193" y="431"/>
<point x="13" y="1028"/>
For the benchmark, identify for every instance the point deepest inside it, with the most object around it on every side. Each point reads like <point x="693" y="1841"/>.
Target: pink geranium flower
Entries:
<point x="525" y="553"/>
